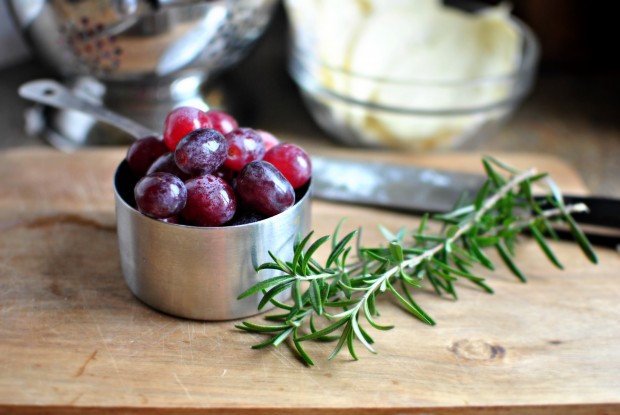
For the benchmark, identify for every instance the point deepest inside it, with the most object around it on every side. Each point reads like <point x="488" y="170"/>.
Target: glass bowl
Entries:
<point x="441" y="115"/>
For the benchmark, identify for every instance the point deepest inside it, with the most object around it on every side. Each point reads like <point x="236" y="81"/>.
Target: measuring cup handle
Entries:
<point x="52" y="93"/>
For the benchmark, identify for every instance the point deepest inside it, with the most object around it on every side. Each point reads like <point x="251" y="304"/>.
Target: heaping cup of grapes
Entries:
<point x="200" y="207"/>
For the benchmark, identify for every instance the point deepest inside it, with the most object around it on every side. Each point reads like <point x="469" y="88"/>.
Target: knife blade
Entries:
<point x="396" y="187"/>
<point x="415" y="189"/>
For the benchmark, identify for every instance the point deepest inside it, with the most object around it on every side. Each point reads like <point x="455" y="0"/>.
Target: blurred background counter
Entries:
<point x="572" y="113"/>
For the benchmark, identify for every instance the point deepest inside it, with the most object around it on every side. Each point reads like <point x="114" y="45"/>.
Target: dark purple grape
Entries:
<point x="244" y="145"/>
<point x="160" y="195"/>
<point x="210" y="201"/>
<point x="201" y="152"/>
<point x="166" y="164"/>
<point x="143" y="152"/>
<point x="264" y="189"/>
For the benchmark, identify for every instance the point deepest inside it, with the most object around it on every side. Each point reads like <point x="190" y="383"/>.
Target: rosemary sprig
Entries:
<point x="343" y="292"/>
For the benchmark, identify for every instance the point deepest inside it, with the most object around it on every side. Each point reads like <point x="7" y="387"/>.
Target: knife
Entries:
<point x="414" y="189"/>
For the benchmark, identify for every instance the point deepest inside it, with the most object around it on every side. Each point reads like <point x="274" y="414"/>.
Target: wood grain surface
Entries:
<point x="74" y="340"/>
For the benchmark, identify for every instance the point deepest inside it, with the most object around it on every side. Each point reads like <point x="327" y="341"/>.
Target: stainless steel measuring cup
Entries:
<point x="198" y="272"/>
<point x="187" y="271"/>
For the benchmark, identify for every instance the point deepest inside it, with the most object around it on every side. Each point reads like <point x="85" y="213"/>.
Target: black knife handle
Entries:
<point x="601" y="223"/>
<point x="603" y="211"/>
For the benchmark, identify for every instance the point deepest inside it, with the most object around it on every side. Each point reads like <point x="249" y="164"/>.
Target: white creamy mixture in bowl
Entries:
<point x="408" y="73"/>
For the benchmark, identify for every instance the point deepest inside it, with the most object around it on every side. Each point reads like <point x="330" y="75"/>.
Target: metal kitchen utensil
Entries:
<point x="196" y="272"/>
<point x="54" y="94"/>
<point x="186" y="271"/>
<point x="146" y="56"/>
<point x="397" y="187"/>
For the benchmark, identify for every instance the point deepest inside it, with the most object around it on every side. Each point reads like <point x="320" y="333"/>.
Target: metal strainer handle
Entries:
<point x="52" y="93"/>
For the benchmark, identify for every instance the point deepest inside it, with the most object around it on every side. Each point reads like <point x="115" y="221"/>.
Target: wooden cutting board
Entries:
<point x="74" y="340"/>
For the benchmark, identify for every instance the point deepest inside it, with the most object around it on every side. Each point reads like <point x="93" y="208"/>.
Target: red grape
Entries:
<point x="201" y="152"/>
<point x="160" y="195"/>
<point x="143" y="152"/>
<point x="292" y="161"/>
<point x="210" y="201"/>
<point x="244" y="146"/>
<point x="264" y="189"/>
<point x="166" y="164"/>
<point x="182" y="121"/>
<point x="269" y="140"/>
<point x="222" y="121"/>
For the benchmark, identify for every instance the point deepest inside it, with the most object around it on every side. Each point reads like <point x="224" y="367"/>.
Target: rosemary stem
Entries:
<point x="576" y="208"/>
<point x="549" y="213"/>
<point x="323" y="276"/>
<point x="486" y="206"/>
